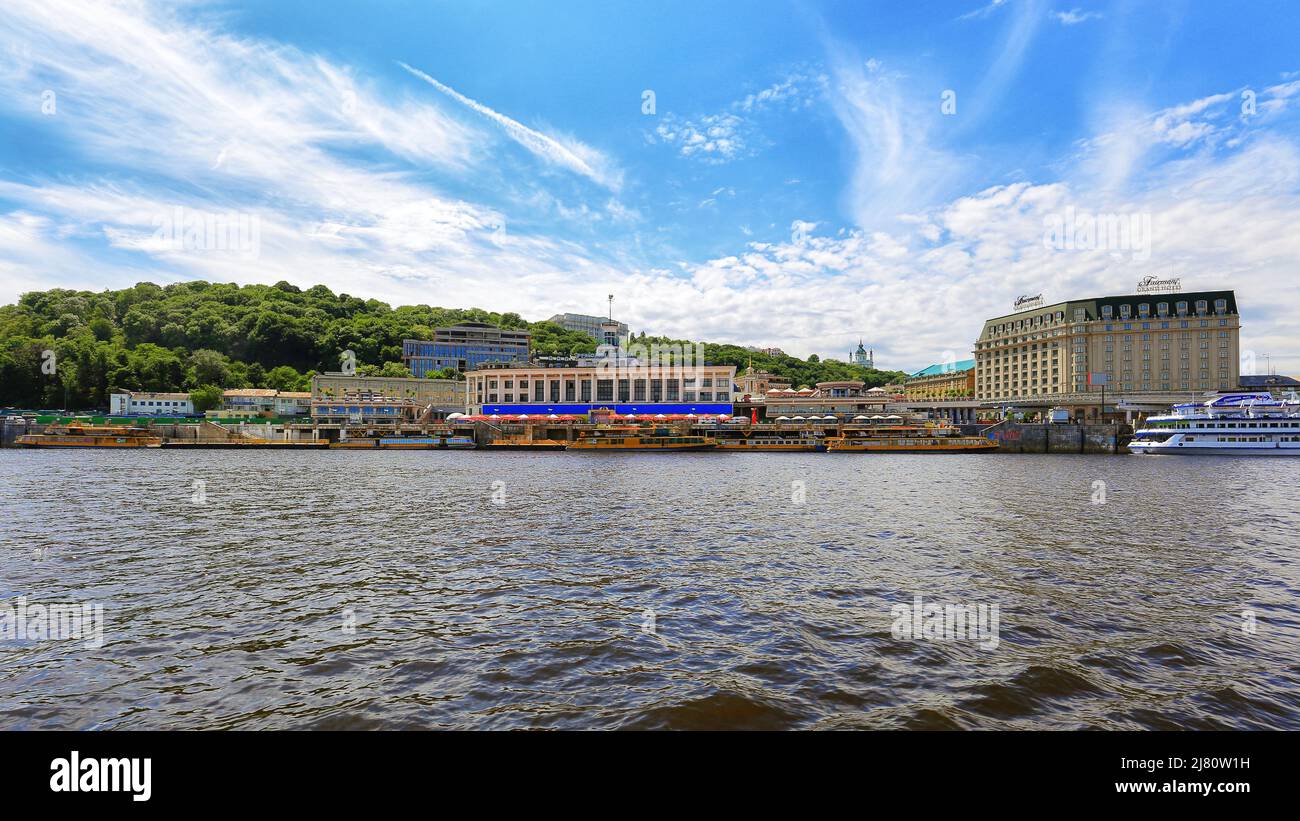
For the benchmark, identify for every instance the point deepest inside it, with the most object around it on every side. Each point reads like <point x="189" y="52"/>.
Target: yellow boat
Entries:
<point x="909" y="439"/>
<point x="525" y="443"/>
<point x="90" y="436"/>
<point x="248" y="443"/>
<point x="402" y="443"/>
<point x="771" y="442"/>
<point x="635" y="438"/>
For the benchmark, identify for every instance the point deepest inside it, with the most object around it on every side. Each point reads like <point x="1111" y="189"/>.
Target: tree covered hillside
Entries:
<point x="185" y="336"/>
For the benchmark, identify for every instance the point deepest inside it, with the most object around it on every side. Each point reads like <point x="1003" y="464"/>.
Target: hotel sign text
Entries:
<point x="1152" y="285"/>
<point x="1028" y="303"/>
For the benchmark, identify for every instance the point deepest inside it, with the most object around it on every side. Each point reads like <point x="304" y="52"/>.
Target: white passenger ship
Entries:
<point x="1250" y="424"/>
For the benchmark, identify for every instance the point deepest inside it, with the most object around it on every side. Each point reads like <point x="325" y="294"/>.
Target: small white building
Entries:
<point x="138" y="403"/>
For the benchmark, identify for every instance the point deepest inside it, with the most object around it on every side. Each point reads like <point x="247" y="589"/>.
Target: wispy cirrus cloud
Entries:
<point x="574" y="156"/>
<point x="897" y="166"/>
<point x="983" y="11"/>
<point x="349" y="185"/>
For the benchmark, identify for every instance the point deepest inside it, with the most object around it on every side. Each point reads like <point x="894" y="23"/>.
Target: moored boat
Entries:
<point x="525" y="443"/>
<point x="771" y="441"/>
<point x="908" y="439"/>
<point x="90" y="436"/>
<point x="1242" y="424"/>
<point x="248" y="444"/>
<point x="639" y="439"/>
<point x="404" y="443"/>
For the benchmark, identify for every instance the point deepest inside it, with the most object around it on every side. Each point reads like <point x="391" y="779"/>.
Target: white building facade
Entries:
<point x="139" y="403"/>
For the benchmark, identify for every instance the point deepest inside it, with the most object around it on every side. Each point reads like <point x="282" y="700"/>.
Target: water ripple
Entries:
<point x="387" y="590"/>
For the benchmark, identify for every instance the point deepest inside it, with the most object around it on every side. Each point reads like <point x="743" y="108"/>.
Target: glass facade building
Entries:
<point x="465" y="347"/>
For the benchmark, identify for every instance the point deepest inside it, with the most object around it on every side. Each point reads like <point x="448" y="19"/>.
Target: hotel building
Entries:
<point x="465" y="347"/>
<point x="622" y="385"/>
<point x="1148" y="348"/>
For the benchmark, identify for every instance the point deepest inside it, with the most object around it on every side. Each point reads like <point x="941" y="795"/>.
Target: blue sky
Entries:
<point x="809" y="174"/>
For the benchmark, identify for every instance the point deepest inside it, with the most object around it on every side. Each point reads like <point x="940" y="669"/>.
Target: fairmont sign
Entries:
<point x="1028" y="303"/>
<point x="1154" y="285"/>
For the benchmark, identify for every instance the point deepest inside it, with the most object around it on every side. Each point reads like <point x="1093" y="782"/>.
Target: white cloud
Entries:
<point x="916" y="277"/>
<point x="345" y="182"/>
<point x="1075" y="16"/>
<point x="734" y="133"/>
<point x="896" y="169"/>
<point x="715" y="138"/>
<point x="964" y="261"/>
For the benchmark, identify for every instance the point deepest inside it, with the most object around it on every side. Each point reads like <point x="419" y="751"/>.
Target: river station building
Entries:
<point x="1147" y="349"/>
<point x="620" y="384"/>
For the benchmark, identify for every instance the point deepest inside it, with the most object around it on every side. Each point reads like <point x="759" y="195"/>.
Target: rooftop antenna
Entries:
<point x="611" y="307"/>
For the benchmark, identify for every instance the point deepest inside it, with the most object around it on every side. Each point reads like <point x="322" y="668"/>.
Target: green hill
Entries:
<point x="187" y="335"/>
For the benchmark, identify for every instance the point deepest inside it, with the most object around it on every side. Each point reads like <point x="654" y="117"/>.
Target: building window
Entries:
<point x="604" y="390"/>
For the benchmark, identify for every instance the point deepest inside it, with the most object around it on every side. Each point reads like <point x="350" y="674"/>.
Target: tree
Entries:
<point x="206" y="398"/>
<point x="209" y="367"/>
<point x="283" y="378"/>
<point x="389" y="369"/>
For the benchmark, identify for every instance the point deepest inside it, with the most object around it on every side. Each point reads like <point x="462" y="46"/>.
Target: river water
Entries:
<point x="690" y="591"/>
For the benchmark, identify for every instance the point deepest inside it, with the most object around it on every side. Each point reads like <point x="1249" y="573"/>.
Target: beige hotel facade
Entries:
<point x="1149" y="347"/>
